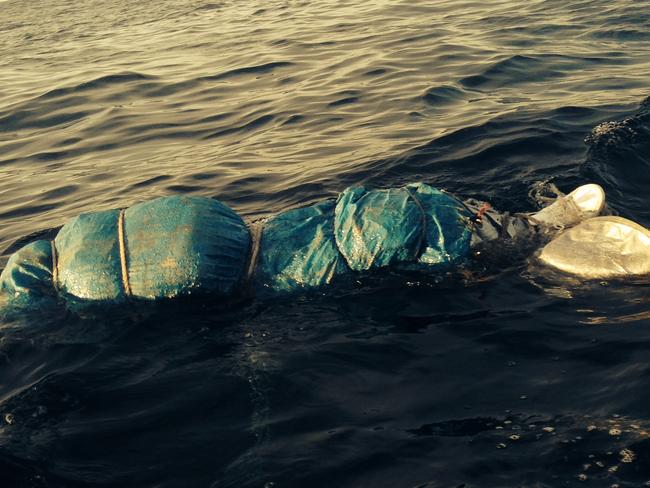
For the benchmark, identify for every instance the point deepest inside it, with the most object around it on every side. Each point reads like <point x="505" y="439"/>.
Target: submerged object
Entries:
<point x="180" y="245"/>
<point x="601" y="247"/>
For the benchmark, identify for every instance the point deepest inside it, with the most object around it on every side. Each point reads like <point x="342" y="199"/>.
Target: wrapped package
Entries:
<point x="167" y="247"/>
<point x="180" y="245"/>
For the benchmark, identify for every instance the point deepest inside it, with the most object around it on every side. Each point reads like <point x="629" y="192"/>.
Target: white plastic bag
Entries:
<point x="601" y="247"/>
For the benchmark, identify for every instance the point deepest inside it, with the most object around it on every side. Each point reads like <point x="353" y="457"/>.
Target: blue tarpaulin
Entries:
<point x="298" y="249"/>
<point x="26" y="282"/>
<point x="416" y="227"/>
<point x="181" y="245"/>
<point x="185" y="245"/>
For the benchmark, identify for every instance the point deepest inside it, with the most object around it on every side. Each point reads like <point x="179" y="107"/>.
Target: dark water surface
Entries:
<point x="522" y="380"/>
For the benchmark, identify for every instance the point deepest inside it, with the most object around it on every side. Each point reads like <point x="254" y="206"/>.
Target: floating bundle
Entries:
<point x="179" y="246"/>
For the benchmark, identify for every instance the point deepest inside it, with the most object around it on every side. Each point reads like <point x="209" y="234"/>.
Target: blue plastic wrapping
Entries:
<point x="298" y="249"/>
<point x="377" y="228"/>
<point x="183" y="245"/>
<point x="88" y="257"/>
<point x="173" y="246"/>
<point x="415" y="227"/>
<point x="26" y="281"/>
<point x="448" y="227"/>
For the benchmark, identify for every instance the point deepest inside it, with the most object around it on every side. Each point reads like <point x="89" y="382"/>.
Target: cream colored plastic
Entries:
<point x="584" y="202"/>
<point x="601" y="247"/>
<point x="589" y="198"/>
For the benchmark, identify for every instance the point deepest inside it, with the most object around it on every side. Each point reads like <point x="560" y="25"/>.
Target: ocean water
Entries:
<point x="520" y="379"/>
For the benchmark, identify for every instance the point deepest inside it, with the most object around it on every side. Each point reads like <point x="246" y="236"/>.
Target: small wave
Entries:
<point x="167" y="89"/>
<point x="519" y="69"/>
<point x="623" y="35"/>
<point x="442" y="95"/>
<point x="347" y="97"/>
<point x="150" y="181"/>
<point x="619" y="159"/>
<point x="343" y="101"/>
<point x="254" y="124"/>
<point x="101" y="82"/>
<point x="27" y="119"/>
<point x="248" y="70"/>
<point x="60" y="192"/>
<point x="294" y="119"/>
<point x="210" y="6"/>
<point x="25" y="210"/>
<point x="513" y="70"/>
<point x="376" y="72"/>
